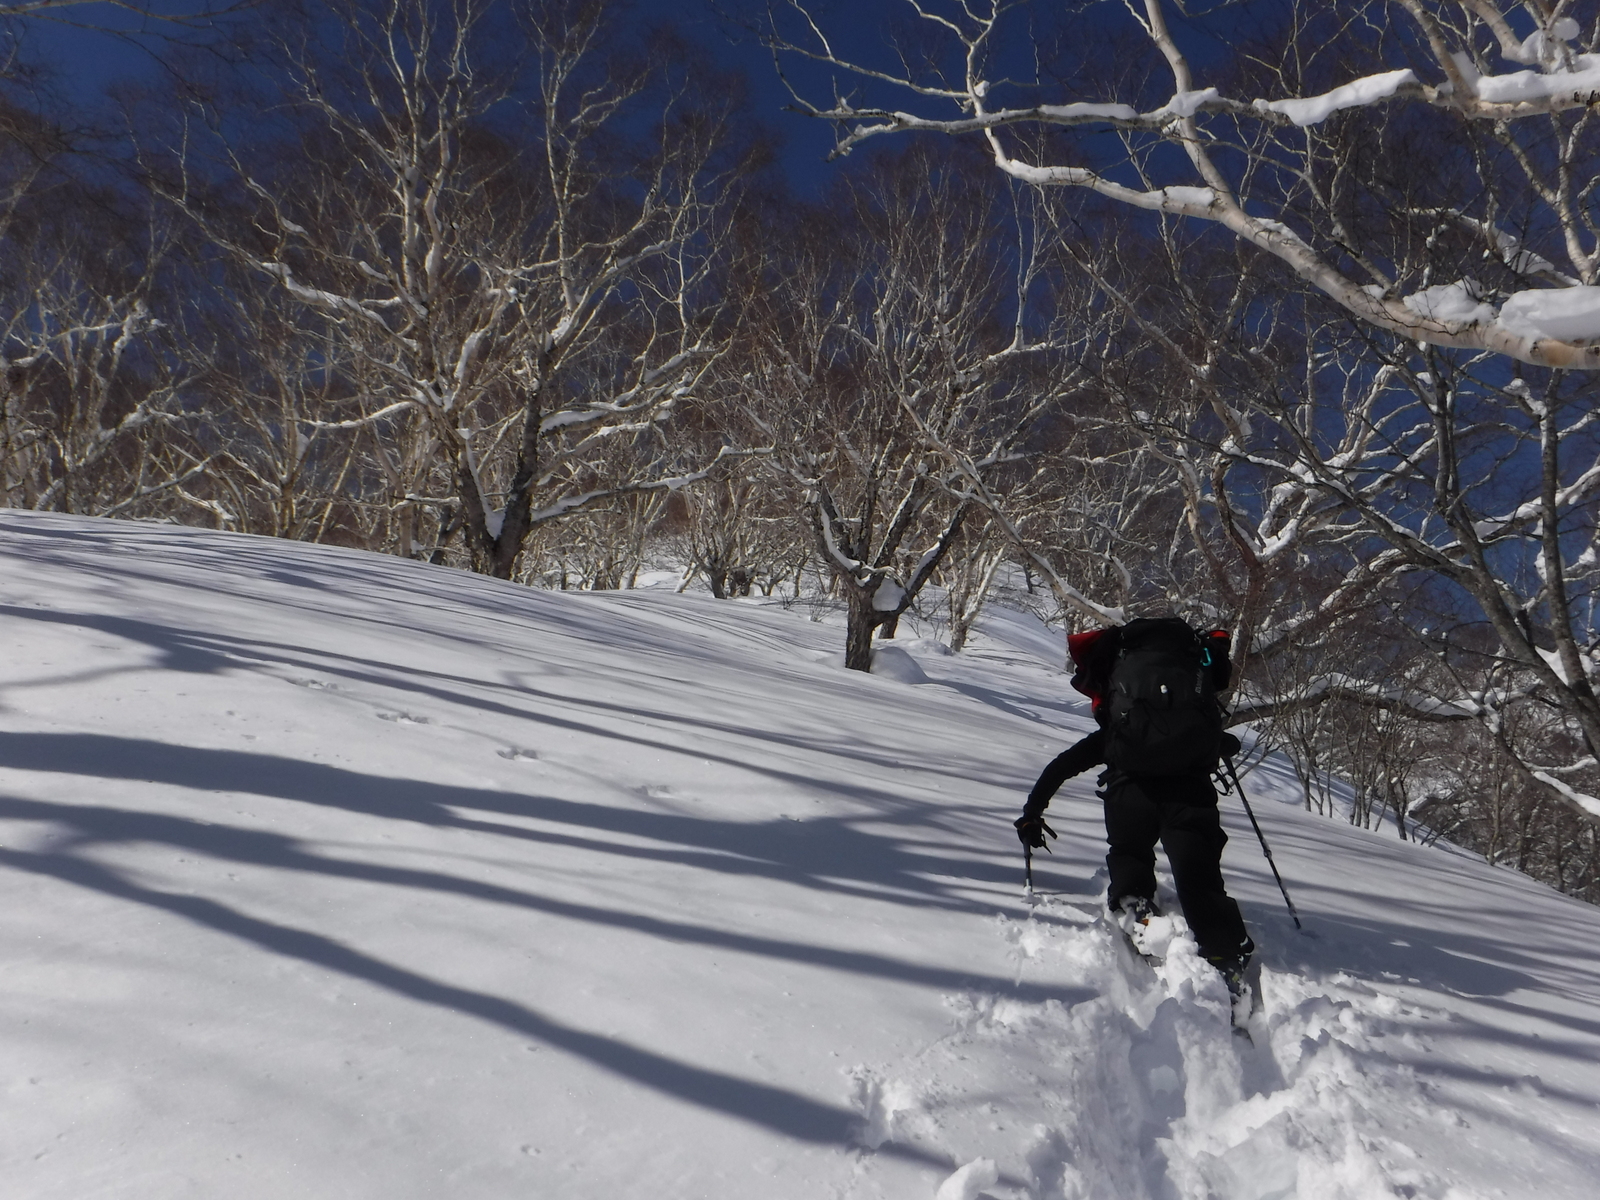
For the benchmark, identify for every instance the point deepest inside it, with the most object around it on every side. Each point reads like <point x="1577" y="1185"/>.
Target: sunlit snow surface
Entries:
<point x="330" y="875"/>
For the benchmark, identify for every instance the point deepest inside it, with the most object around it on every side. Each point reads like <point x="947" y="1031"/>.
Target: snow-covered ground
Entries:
<point x="328" y="875"/>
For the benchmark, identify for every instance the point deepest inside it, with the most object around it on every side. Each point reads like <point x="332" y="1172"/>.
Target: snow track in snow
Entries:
<point x="1144" y="1092"/>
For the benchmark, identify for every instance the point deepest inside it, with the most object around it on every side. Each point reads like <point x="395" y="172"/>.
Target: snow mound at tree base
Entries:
<point x="892" y="662"/>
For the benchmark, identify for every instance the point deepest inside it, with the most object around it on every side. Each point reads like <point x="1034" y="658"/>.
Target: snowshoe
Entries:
<point x="1243" y="983"/>
<point x="1132" y="916"/>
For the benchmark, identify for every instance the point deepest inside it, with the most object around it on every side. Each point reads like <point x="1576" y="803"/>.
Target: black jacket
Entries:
<point x="1090" y="752"/>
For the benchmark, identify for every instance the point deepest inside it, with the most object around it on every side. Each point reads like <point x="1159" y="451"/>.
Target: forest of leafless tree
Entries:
<point x="1282" y="317"/>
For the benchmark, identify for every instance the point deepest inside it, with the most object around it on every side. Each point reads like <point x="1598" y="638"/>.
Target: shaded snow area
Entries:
<point x="324" y="874"/>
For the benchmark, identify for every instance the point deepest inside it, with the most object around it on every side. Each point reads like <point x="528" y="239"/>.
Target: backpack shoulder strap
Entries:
<point x="1218" y="645"/>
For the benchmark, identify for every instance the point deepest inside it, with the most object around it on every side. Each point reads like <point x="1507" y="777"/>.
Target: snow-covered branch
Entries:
<point x="1248" y="706"/>
<point x="1554" y="326"/>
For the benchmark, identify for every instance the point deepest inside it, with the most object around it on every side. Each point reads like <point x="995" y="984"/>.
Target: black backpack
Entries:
<point x="1161" y="713"/>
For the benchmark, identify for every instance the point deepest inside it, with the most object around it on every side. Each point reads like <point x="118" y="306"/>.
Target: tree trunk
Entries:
<point x="958" y="634"/>
<point x="859" y="624"/>
<point x="717" y="576"/>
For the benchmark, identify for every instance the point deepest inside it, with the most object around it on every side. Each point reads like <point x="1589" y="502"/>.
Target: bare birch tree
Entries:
<point x="904" y="328"/>
<point x="511" y="307"/>
<point x="290" y="456"/>
<point x="90" y="387"/>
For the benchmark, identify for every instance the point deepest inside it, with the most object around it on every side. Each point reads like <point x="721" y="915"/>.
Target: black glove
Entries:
<point x="1031" y="830"/>
<point x="1230" y="745"/>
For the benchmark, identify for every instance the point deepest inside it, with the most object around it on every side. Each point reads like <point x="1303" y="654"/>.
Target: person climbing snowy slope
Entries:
<point x="1153" y="685"/>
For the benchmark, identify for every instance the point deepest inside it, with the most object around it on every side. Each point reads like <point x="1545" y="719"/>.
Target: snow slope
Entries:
<point x="329" y="875"/>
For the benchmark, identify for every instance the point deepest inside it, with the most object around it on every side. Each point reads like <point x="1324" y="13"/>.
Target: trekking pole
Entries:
<point x="1262" y="838"/>
<point x="1027" y="870"/>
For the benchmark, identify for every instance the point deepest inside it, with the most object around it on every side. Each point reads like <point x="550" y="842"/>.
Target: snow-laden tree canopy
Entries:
<point x="1267" y="140"/>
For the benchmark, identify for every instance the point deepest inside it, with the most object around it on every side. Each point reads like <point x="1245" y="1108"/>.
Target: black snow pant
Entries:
<point x="1182" y="814"/>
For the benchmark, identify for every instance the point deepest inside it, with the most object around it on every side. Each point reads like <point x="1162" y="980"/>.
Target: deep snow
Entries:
<point x="324" y="874"/>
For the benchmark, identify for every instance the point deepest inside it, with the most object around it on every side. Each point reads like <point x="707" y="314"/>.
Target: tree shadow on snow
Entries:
<point x="199" y="653"/>
<point x="830" y="854"/>
<point x="778" y="1109"/>
<point x="84" y="827"/>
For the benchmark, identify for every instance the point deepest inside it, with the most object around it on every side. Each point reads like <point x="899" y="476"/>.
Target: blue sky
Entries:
<point x="92" y="47"/>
